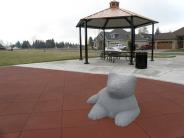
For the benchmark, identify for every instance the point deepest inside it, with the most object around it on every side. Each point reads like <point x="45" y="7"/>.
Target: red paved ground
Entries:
<point x="37" y="103"/>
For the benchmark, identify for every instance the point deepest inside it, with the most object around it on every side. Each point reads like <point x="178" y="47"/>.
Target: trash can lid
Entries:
<point x="141" y="52"/>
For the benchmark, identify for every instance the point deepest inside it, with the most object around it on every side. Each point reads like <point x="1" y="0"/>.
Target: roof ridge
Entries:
<point x="178" y="29"/>
<point x="127" y="11"/>
<point x="167" y="33"/>
<point x="134" y="14"/>
<point x="96" y="13"/>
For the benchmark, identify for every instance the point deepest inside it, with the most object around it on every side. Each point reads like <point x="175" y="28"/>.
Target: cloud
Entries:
<point x="44" y="19"/>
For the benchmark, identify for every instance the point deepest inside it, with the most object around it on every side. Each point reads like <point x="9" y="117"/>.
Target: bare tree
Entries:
<point x="143" y="30"/>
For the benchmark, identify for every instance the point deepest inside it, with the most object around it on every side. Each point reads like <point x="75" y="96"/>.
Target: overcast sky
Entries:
<point x="45" y="19"/>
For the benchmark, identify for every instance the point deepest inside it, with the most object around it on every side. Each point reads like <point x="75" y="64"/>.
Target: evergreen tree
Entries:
<point x="38" y="44"/>
<point x="91" y="42"/>
<point x="50" y="43"/>
<point x="157" y="31"/>
<point x="18" y="44"/>
<point x="26" y="44"/>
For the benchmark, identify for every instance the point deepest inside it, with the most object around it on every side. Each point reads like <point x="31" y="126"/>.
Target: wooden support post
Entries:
<point x="104" y="43"/>
<point x="86" y="43"/>
<point x="132" y="48"/>
<point x="152" y="48"/>
<point x="80" y="41"/>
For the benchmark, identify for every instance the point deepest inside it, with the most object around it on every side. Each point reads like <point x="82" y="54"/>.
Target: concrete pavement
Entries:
<point x="165" y="69"/>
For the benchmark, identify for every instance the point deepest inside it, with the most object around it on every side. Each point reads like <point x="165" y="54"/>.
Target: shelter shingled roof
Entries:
<point x="114" y="17"/>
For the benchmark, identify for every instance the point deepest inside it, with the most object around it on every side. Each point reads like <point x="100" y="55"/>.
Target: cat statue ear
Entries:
<point x="116" y="100"/>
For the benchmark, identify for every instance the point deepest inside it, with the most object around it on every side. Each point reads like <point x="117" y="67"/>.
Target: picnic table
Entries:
<point x="113" y="56"/>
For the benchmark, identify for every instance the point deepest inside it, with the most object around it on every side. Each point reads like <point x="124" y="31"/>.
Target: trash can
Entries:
<point x="141" y="60"/>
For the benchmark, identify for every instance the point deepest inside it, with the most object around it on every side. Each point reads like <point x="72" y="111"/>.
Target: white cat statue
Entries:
<point x="116" y="100"/>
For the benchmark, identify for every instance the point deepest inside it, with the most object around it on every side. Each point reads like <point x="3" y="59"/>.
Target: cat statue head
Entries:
<point x="120" y="86"/>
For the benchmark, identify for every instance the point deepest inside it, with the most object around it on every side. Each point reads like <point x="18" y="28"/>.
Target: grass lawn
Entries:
<point x="175" y="50"/>
<point x="33" y="56"/>
<point x="162" y="55"/>
<point x="172" y="52"/>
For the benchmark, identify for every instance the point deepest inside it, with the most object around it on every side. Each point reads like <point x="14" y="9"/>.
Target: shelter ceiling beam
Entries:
<point x="145" y="24"/>
<point x="92" y="27"/>
<point x="130" y="23"/>
<point x="105" y="24"/>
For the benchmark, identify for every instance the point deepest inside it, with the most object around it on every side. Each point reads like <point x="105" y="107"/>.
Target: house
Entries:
<point x="120" y="36"/>
<point x="165" y="41"/>
<point x="171" y="40"/>
<point x="180" y="37"/>
<point x="116" y="36"/>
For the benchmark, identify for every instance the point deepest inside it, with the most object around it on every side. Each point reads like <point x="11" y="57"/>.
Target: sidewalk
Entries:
<point x="165" y="69"/>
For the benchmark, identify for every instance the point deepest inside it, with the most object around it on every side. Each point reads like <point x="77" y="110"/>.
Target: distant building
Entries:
<point x="117" y="36"/>
<point x="171" y="40"/>
<point x="165" y="41"/>
<point x="120" y="36"/>
<point x="180" y="37"/>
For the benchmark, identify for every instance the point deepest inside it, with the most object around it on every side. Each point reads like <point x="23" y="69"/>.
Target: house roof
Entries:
<point x="179" y="32"/>
<point x="124" y="35"/>
<point x="165" y="36"/>
<point x="114" y="17"/>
